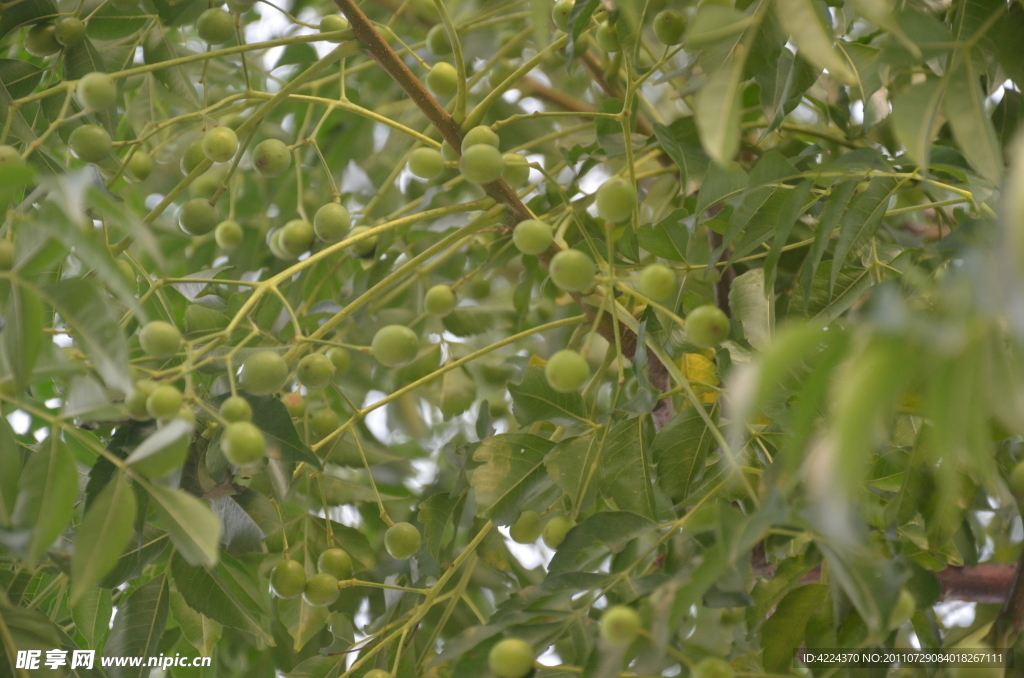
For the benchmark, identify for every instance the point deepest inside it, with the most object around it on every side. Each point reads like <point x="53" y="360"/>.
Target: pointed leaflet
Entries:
<point x="791" y="210"/>
<point x="838" y="198"/>
<point x="573" y="465"/>
<point x="862" y="221"/>
<point x="533" y="400"/>
<point x="783" y="633"/>
<point x="138" y="626"/>
<point x="915" y="115"/>
<point x="103" y="535"/>
<point x="10" y="471"/>
<point x="752" y="307"/>
<point x="721" y="183"/>
<point x="511" y="465"/>
<point x="47" y="491"/>
<point x="826" y="306"/>
<point x="680" y="450"/>
<point x="602" y="533"/>
<point x="22" y="334"/>
<point x="626" y="466"/>
<point x="783" y="87"/>
<point x="207" y="593"/>
<point x="194" y="528"/>
<point x="674" y="149"/>
<point x="718" y="109"/>
<point x="972" y="128"/>
<point x="802" y="20"/>
<point x="199" y="630"/>
<point x="91" y="614"/>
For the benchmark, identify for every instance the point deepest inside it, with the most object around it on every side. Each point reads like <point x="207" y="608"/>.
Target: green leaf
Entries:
<point x="194" y="528"/>
<point x="103" y="535"/>
<point x="674" y="149"/>
<point x="783" y="633"/>
<point x="511" y="465"/>
<point x="579" y="19"/>
<point x="110" y="23"/>
<point x="850" y="285"/>
<point x="871" y="584"/>
<point x="721" y="183"/>
<point x="25" y="12"/>
<point x="91" y="614"/>
<point x="680" y="450"/>
<point x="435" y="514"/>
<point x="302" y="620"/>
<point x="23" y="333"/>
<point x="813" y="38"/>
<point x="838" y="198"/>
<point x="712" y="23"/>
<point x="719" y="105"/>
<point x="206" y="592"/>
<point x="752" y="307"/>
<point x="592" y="540"/>
<point x="199" y="630"/>
<point x="20" y="77"/>
<point x="151" y="543"/>
<point x="666" y="239"/>
<point x="574" y="465"/>
<point x="175" y="80"/>
<point x="47" y="491"/>
<point x="790" y="211"/>
<point x="915" y="118"/>
<point x="626" y="466"/>
<point x="964" y="103"/>
<point x="862" y="221"/>
<point x="138" y="626"/>
<point x="534" y="400"/>
<point x="783" y="88"/>
<point x="10" y="471"/>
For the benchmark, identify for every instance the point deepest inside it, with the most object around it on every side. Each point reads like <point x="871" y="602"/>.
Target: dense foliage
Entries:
<point x="697" y="340"/>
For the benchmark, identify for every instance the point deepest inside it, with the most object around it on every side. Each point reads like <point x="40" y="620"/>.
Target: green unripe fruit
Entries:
<point x="426" y="163"/>
<point x="295" y="404"/>
<point x="331" y="222"/>
<point x="615" y="200"/>
<point x="448" y="153"/>
<point x="220" y="144"/>
<point x="707" y="326"/>
<point x="669" y="26"/>
<point x="377" y="673"/>
<point x="555" y="531"/>
<point x="207" y="183"/>
<point x="140" y="165"/>
<point x="96" y="91"/>
<point x="527" y="528"/>
<point x="321" y="590"/>
<point x="560" y="14"/>
<point x="164" y="402"/>
<point x="333" y="23"/>
<point x="365" y="247"/>
<point x="336" y="563"/>
<point x="193" y="156"/>
<point x="532" y="236"/>
<point x="340" y="359"/>
<point x="511" y="657"/>
<point x="607" y="38"/>
<point x="566" y="371"/>
<point x="70" y="31"/>
<point x="90" y="143"/>
<point x="236" y="408"/>
<point x="394" y="345"/>
<point x="215" y="26"/>
<point x="186" y="414"/>
<point x="572" y="271"/>
<point x="41" y="40"/>
<point x="288" y="579"/>
<point x="271" y="158"/>
<point x="903" y="610"/>
<point x="296" y="237"/>
<point x="438" y="42"/>
<point x="443" y="80"/>
<point x="136" y="400"/>
<point x="274" y="243"/>
<point x="6" y="255"/>
<point x="713" y="667"/>
<point x="479" y="288"/>
<point x="324" y="422"/>
<point x="9" y="157"/>
<point x="481" y="164"/>
<point x="402" y="540"/>
<point x="263" y="373"/>
<point x="202" y="319"/>
<point x="481" y="134"/>
<point x="241" y="6"/>
<point x="315" y="371"/>
<point x="228" y="235"/>
<point x="439" y="301"/>
<point x="620" y="625"/>
<point x="658" y="282"/>
<point x="517" y="170"/>
<point x="243" y="443"/>
<point x="160" y="340"/>
<point x="198" y="217"/>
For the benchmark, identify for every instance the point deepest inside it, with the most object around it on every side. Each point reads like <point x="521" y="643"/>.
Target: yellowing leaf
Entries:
<point x="703" y="375"/>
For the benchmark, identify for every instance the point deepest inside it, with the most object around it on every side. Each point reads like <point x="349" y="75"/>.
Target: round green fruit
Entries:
<point x="315" y="371"/>
<point x="426" y="163"/>
<point x="220" y="143"/>
<point x="160" y="340"/>
<point x="297" y="237"/>
<point x="140" y="165"/>
<point x="438" y="42"/>
<point x="713" y="667"/>
<point x="90" y="143"/>
<point x="295" y="404"/>
<point x="288" y="579"/>
<point x="532" y="236"/>
<point x="198" y="217"/>
<point x="607" y="38"/>
<point x="235" y="409"/>
<point x="96" y="91"/>
<point x="572" y="271"/>
<point x="658" y="282"/>
<point x="566" y="371"/>
<point x="669" y="26"/>
<point x="442" y="80"/>
<point x="241" y="6"/>
<point x="616" y="199"/>
<point x="228" y="235"/>
<point x="527" y="529"/>
<point x="1017" y="480"/>
<point x="136" y="400"/>
<point x="620" y="625"/>
<point x="9" y="157"/>
<point x="321" y="590"/>
<point x="439" y="301"/>
<point x="707" y="326"/>
<point x="164" y="402"/>
<point x="481" y="164"/>
<point x="333" y="23"/>
<point x="243" y="443"/>
<point x="263" y="373"/>
<point x="394" y="345"/>
<point x="377" y="673"/>
<point x="336" y="563"/>
<point x="331" y="222"/>
<point x="215" y="26"/>
<point x="560" y="14"/>
<point x="517" y="170"/>
<point x="70" y="31"/>
<point x="126" y="269"/>
<point x="555" y="531"/>
<point x="365" y="247"/>
<point x="6" y="255"/>
<point x="479" y="288"/>
<point x="41" y="40"/>
<point x="192" y="157"/>
<point x="271" y="158"/>
<point x="340" y="359"/>
<point x="324" y="422"/>
<point x="511" y="657"/>
<point x="481" y="134"/>
<point x="402" y="540"/>
<point x="207" y="183"/>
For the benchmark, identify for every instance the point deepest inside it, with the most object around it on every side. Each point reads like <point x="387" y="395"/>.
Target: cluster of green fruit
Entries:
<point x="479" y="160"/>
<point x="530" y="526"/>
<point x="289" y="580"/>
